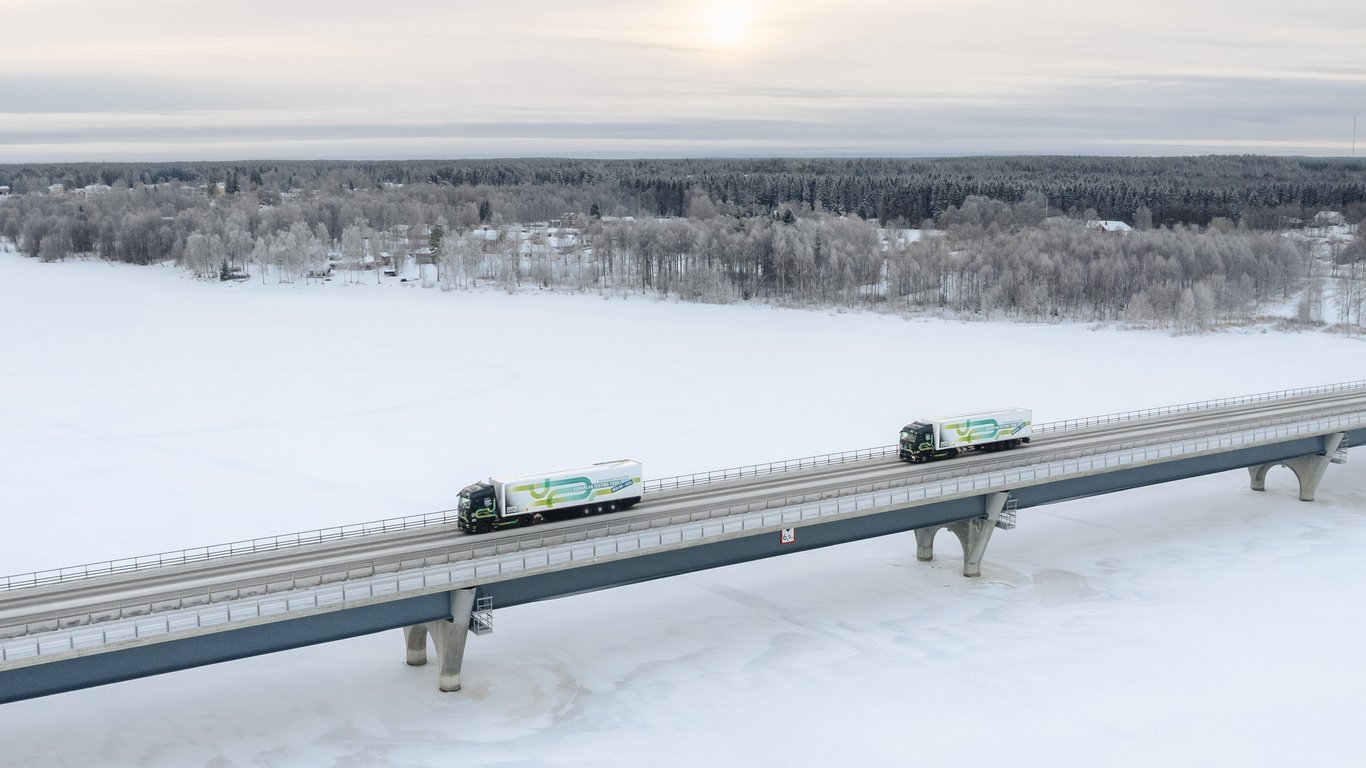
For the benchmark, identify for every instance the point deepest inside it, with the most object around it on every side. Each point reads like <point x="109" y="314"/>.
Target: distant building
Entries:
<point x="1329" y="219"/>
<point x="4" y="189"/>
<point x="1108" y="226"/>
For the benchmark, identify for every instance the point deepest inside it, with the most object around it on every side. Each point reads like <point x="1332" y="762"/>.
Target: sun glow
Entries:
<point x="728" y="25"/>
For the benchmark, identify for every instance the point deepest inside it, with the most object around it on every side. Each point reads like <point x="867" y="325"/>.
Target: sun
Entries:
<point x="728" y="25"/>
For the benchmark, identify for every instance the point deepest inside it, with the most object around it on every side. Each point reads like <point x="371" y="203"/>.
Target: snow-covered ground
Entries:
<point x="1192" y="623"/>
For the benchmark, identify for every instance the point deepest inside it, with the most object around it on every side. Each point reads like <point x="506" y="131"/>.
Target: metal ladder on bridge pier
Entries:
<point x="481" y="618"/>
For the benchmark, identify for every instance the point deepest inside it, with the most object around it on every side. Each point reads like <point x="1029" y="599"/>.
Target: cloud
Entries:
<point x="625" y="79"/>
<point x="109" y="93"/>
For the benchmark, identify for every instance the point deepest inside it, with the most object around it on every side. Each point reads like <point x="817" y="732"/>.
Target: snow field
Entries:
<point x="1196" y="622"/>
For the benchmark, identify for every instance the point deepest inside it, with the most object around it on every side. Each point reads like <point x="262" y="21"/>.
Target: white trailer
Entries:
<point x="524" y="499"/>
<point x="947" y="436"/>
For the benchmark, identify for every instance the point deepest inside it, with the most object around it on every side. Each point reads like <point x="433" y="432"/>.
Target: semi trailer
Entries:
<point x="946" y="437"/>
<point x="503" y="502"/>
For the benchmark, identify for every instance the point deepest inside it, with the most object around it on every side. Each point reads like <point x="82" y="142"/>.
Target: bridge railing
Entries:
<point x="532" y="549"/>
<point x="865" y="454"/>
<point x="389" y="525"/>
<point x="229" y="549"/>
<point x="1199" y="405"/>
<point x="442" y="517"/>
<point x="770" y="468"/>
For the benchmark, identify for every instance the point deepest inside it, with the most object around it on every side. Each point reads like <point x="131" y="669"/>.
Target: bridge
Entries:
<point x="78" y="627"/>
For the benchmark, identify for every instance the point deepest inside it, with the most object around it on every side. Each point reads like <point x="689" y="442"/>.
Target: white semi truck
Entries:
<point x="522" y="500"/>
<point x="947" y="436"/>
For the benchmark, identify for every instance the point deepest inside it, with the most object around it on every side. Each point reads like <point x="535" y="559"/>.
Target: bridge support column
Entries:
<point x="416" y="637"/>
<point x="1308" y="469"/>
<point x="448" y="636"/>
<point x="973" y="534"/>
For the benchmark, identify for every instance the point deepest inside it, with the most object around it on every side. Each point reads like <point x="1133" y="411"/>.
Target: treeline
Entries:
<point x="1256" y="192"/>
<point x="1034" y="268"/>
<point x="983" y="258"/>
<point x="1182" y="277"/>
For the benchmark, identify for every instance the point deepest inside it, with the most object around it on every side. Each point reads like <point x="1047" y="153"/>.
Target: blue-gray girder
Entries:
<point x="128" y="663"/>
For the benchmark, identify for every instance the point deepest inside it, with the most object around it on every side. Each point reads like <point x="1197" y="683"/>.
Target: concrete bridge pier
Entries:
<point x="448" y="635"/>
<point x="973" y="534"/>
<point x="1308" y="469"/>
<point x="416" y="638"/>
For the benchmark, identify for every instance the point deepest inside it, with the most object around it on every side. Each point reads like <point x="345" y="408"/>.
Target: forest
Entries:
<point x="969" y="237"/>
<point x="1255" y="191"/>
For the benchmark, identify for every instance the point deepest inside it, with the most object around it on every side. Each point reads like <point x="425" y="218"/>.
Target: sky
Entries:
<point x="344" y="79"/>
<point x="1192" y="623"/>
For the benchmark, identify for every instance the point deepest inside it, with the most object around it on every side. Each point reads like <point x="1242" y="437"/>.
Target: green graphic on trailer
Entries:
<point x="548" y="493"/>
<point x="973" y="430"/>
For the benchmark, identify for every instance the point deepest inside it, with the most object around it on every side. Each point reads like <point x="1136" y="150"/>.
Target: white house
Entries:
<point x="1108" y="226"/>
